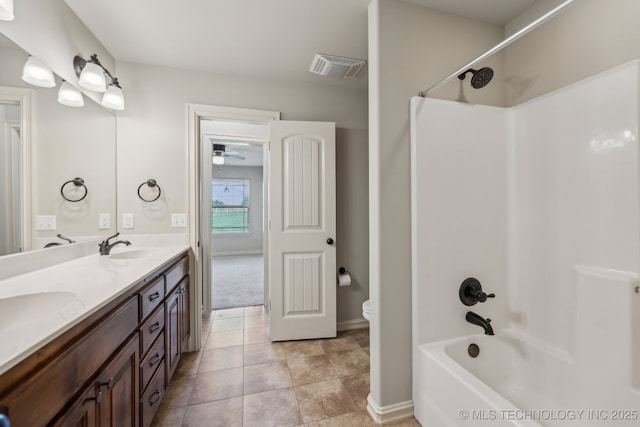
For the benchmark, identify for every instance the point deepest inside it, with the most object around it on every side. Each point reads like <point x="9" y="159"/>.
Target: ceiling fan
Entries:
<point x="220" y="152"/>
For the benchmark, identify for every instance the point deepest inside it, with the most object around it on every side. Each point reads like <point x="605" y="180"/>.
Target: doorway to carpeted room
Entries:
<point x="237" y="280"/>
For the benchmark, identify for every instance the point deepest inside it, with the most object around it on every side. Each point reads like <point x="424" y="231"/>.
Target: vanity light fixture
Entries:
<point x="92" y="76"/>
<point x="37" y="74"/>
<point x="217" y="159"/>
<point x="6" y="10"/>
<point x="113" y="97"/>
<point x="69" y="95"/>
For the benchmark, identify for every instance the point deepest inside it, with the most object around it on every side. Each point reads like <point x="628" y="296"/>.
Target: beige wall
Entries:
<point x="410" y="47"/>
<point x="152" y="143"/>
<point x="588" y="38"/>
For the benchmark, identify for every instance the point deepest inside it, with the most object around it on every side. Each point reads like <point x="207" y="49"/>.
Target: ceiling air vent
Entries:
<point x="336" y="66"/>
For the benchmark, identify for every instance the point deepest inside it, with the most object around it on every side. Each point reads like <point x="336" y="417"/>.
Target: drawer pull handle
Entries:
<point x="108" y="384"/>
<point x="154" y="327"/>
<point x="154" y="296"/>
<point x="155" y="359"/>
<point x="97" y="399"/>
<point x="155" y="397"/>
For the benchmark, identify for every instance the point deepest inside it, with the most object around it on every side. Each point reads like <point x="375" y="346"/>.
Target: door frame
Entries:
<point x="22" y="97"/>
<point x="201" y="298"/>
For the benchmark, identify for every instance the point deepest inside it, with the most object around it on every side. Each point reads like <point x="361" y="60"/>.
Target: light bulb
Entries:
<point x="37" y="74"/>
<point x="92" y="78"/>
<point x="69" y="95"/>
<point x="217" y="159"/>
<point x="6" y="10"/>
<point x="113" y="98"/>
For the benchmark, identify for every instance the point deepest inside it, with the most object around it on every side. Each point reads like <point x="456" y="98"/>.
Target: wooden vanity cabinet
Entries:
<point x="177" y="320"/>
<point x="110" y="400"/>
<point x="83" y="413"/>
<point x="108" y="370"/>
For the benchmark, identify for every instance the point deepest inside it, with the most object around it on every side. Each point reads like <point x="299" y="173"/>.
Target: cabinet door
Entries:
<point x="185" y="315"/>
<point x="119" y="382"/>
<point x="84" y="412"/>
<point x="172" y="333"/>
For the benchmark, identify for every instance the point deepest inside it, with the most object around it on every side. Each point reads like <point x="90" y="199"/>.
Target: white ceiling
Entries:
<point x="498" y="12"/>
<point x="267" y="38"/>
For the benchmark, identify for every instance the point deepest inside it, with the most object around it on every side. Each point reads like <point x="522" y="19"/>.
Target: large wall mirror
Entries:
<point x="44" y="145"/>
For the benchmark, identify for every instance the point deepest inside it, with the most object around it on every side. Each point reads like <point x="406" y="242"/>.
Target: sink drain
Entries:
<point x="473" y="350"/>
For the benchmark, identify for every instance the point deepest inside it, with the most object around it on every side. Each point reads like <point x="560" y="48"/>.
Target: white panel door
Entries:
<point x="302" y="214"/>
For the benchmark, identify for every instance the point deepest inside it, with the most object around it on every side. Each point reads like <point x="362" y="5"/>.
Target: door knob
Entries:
<point x="329" y="241"/>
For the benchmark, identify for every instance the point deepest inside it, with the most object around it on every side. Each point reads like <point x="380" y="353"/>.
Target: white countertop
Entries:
<point x="41" y="305"/>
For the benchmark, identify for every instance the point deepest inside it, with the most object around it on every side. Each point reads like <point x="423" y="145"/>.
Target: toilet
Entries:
<point x="366" y="310"/>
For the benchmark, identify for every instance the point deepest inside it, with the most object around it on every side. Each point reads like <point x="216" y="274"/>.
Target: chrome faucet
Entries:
<point x="480" y="321"/>
<point x="105" y="246"/>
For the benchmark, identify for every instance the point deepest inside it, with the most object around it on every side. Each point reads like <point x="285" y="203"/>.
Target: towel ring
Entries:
<point x="78" y="182"/>
<point x="152" y="184"/>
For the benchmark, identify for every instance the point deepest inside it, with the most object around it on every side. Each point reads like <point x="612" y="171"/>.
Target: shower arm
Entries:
<point x="515" y="36"/>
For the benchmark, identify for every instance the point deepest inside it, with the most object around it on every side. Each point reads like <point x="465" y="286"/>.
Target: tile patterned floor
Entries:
<point x="242" y="379"/>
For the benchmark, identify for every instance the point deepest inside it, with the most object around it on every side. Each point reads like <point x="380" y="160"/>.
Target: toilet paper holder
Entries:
<point x="344" y="277"/>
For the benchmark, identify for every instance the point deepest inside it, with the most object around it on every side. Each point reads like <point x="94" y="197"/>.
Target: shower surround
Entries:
<point x="540" y="203"/>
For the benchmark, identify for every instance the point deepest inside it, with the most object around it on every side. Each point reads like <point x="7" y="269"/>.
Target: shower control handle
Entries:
<point x="471" y="292"/>
<point x="482" y="297"/>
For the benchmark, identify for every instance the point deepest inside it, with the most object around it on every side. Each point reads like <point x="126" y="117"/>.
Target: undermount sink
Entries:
<point x="133" y="254"/>
<point x="29" y="307"/>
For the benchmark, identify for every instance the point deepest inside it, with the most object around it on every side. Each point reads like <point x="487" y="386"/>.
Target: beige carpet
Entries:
<point x="237" y="280"/>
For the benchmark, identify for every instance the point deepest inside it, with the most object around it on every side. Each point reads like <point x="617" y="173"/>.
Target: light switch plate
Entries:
<point x="178" y="220"/>
<point x="104" y="221"/>
<point x="45" y="222"/>
<point x="127" y="220"/>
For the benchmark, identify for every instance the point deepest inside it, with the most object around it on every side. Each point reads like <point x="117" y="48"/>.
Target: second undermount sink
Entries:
<point x="29" y="307"/>
<point x="132" y="254"/>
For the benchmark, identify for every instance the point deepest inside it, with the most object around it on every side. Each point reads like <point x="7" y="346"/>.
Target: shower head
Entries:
<point x="480" y="77"/>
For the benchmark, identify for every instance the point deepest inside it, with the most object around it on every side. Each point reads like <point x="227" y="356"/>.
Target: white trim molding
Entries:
<point x="389" y="413"/>
<point x="237" y="253"/>
<point x="201" y="295"/>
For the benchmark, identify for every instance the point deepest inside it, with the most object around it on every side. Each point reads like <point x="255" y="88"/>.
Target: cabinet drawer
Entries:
<point x="151" y="362"/>
<point x="151" y="297"/>
<point x="176" y="273"/>
<point x="150" y="401"/>
<point x="151" y="329"/>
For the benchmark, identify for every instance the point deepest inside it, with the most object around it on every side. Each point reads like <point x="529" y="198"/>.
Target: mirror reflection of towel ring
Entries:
<point x="78" y="182"/>
<point x="152" y="184"/>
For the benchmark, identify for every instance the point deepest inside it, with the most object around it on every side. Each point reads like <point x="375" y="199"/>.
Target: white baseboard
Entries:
<point x="347" y="325"/>
<point x="237" y="253"/>
<point x="389" y="413"/>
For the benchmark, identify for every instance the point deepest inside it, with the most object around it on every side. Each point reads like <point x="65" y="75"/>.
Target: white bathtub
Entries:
<point x="515" y="382"/>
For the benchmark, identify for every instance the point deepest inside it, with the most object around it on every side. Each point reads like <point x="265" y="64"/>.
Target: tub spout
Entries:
<point x="480" y="321"/>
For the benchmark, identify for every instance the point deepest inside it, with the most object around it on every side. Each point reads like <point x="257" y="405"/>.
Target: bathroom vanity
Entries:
<point x="124" y="328"/>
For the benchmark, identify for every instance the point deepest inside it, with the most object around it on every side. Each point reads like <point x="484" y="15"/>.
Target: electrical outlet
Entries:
<point x="45" y="222"/>
<point x="178" y="220"/>
<point x="127" y="220"/>
<point x="104" y="221"/>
